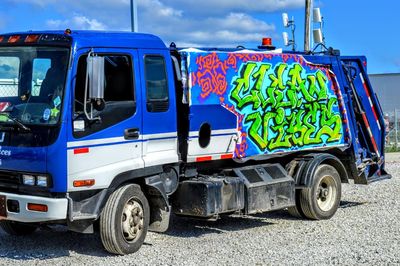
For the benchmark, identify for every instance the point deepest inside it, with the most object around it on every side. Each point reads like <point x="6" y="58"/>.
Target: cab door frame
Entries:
<point x="106" y="153"/>
<point x="160" y="137"/>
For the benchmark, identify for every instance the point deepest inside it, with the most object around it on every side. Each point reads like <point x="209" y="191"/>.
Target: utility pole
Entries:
<point x="395" y="128"/>
<point x="134" y="23"/>
<point x="307" y="26"/>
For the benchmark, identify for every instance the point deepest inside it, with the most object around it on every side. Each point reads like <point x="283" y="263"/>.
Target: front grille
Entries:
<point x="10" y="180"/>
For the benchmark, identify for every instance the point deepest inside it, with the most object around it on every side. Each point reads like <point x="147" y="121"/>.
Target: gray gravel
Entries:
<point x="365" y="230"/>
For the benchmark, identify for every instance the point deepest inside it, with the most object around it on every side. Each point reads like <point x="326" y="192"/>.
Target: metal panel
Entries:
<point x="280" y="102"/>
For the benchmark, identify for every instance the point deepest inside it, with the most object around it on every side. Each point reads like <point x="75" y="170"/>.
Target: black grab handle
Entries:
<point x="131" y="133"/>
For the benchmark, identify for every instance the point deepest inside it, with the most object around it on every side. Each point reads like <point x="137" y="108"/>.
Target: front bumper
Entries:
<point x="57" y="209"/>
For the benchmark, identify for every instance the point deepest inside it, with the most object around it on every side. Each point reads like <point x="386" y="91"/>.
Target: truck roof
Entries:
<point x="121" y="39"/>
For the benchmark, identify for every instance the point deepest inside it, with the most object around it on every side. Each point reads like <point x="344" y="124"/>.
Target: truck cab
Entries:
<point x="50" y="150"/>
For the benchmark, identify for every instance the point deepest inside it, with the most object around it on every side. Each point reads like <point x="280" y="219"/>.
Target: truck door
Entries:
<point x="112" y="143"/>
<point x="160" y="141"/>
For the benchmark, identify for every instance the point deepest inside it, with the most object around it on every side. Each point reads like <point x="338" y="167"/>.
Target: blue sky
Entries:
<point x="356" y="27"/>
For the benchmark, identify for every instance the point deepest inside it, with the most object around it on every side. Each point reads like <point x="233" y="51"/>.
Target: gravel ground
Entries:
<point x="365" y="230"/>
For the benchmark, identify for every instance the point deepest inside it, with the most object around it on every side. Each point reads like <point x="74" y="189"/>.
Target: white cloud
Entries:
<point x="86" y="23"/>
<point x="226" y="29"/>
<point x="40" y="3"/>
<point x="241" y="22"/>
<point x="221" y="6"/>
<point x="76" y="22"/>
<point x="223" y="37"/>
<point x="204" y="22"/>
<point x="232" y="30"/>
<point x="159" y="9"/>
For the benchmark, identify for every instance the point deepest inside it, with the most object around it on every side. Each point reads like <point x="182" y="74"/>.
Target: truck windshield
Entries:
<point x="32" y="81"/>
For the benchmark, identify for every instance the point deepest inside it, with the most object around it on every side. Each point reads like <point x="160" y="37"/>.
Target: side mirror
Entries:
<point x="95" y="85"/>
<point x="95" y="70"/>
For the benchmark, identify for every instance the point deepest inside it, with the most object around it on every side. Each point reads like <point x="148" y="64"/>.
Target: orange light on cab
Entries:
<point x="32" y="38"/>
<point x="1" y="38"/>
<point x="37" y="207"/>
<point x="14" y="38"/>
<point x="267" y="41"/>
<point x="84" y="183"/>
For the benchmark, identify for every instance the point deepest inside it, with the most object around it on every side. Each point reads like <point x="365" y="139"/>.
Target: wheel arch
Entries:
<point x="151" y="183"/>
<point x="313" y="161"/>
<point x="91" y="203"/>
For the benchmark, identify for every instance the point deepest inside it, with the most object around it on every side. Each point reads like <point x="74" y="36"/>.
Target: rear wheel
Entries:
<point x="322" y="199"/>
<point x="17" y="228"/>
<point x="296" y="211"/>
<point x="124" y="220"/>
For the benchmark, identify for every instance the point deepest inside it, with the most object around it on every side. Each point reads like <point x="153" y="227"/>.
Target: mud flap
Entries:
<point x="159" y="206"/>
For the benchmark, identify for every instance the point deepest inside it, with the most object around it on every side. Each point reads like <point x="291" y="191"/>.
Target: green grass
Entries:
<point x="392" y="149"/>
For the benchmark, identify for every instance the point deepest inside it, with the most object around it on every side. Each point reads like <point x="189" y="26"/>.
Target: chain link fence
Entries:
<point x="393" y="130"/>
<point x="9" y="87"/>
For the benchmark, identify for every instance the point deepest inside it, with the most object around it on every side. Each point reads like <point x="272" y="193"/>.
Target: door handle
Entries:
<point x="131" y="133"/>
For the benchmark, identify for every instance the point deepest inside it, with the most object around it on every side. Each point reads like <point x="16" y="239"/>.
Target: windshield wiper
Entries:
<point x="16" y="121"/>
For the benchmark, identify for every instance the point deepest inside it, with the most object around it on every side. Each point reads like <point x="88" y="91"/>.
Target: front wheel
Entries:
<point x="322" y="199"/>
<point x="124" y="220"/>
<point x="17" y="228"/>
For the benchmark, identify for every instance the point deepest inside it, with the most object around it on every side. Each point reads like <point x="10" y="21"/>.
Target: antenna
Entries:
<point x="318" y="34"/>
<point x="285" y="36"/>
<point x="307" y="25"/>
<point x="285" y="20"/>
<point x="289" y="23"/>
<point x="317" y="18"/>
<point x="134" y="22"/>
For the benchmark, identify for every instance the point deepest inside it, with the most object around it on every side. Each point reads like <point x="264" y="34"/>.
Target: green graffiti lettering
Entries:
<point x="256" y="131"/>
<point x="286" y="108"/>
<point x="242" y="86"/>
<point x="275" y="89"/>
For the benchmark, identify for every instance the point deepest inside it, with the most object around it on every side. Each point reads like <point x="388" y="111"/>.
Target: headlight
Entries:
<point x="42" y="181"/>
<point x="28" y="180"/>
<point x="39" y="180"/>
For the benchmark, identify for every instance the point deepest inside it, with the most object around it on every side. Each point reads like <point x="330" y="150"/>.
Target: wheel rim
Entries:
<point x="326" y="193"/>
<point x="132" y="220"/>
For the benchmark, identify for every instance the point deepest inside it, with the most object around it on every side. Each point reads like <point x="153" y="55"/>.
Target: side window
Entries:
<point x="119" y="98"/>
<point x="40" y="68"/>
<point x="156" y="84"/>
<point x="9" y="76"/>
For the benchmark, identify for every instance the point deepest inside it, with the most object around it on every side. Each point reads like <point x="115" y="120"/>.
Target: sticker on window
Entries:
<point x="46" y="114"/>
<point x="57" y="101"/>
<point x="79" y="125"/>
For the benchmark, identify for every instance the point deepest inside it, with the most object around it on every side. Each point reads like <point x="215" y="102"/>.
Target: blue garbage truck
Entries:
<point x="116" y="132"/>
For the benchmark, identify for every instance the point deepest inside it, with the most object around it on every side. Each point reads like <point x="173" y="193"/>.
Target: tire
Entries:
<point x="321" y="200"/>
<point x="293" y="211"/>
<point x="17" y="228"/>
<point x="124" y="220"/>
<point x="296" y="211"/>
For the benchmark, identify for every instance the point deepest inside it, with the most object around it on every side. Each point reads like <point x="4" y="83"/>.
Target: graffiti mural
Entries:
<point x="282" y="109"/>
<point x="281" y="102"/>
